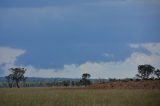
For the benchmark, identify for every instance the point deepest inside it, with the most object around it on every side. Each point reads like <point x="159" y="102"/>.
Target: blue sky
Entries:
<point x="55" y="33"/>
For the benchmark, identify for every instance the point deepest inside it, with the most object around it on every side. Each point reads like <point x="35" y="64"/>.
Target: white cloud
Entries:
<point x="119" y="69"/>
<point x="70" y="71"/>
<point x="154" y="48"/>
<point x="9" y="55"/>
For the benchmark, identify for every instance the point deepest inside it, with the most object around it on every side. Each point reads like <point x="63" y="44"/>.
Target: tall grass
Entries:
<point x="78" y="97"/>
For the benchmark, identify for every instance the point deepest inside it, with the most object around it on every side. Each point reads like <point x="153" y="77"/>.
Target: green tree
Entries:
<point x="73" y="83"/>
<point x="17" y="75"/>
<point x="86" y="76"/>
<point x="85" y="79"/>
<point x="157" y="73"/>
<point x="9" y="80"/>
<point x="66" y="83"/>
<point x="144" y="71"/>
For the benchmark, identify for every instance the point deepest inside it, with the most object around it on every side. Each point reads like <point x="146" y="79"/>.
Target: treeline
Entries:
<point x="59" y="83"/>
<point x="17" y="78"/>
<point x="52" y="82"/>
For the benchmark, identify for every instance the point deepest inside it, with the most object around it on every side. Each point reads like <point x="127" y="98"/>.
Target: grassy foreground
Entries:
<point x="78" y="97"/>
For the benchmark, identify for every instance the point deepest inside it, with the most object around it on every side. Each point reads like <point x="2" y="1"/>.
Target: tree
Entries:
<point x="66" y="83"/>
<point x="85" y="79"/>
<point x="86" y="76"/>
<point x="17" y="76"/>
<point x="9" y="80"/>
<point x="73" y="83"/>
<point x="157" y="73"/>
<point x="144" y="71"/>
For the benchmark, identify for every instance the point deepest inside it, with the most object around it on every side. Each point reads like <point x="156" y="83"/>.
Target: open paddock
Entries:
<point x="78" y="97"/>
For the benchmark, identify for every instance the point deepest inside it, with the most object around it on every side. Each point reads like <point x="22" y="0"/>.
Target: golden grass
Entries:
<point x="78" y="97"/>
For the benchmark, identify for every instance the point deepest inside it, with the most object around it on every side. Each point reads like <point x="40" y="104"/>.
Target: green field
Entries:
<point x="78" y="97"/>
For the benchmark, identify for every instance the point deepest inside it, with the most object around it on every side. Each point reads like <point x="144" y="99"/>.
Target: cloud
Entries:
<point x="68" y="71"/>
<point x="153" y="48"/>
<point x="114" y="69"/>
<point x="134" y="46"/>
<point x="122" y="69"/>
<point x="9" y="55"/>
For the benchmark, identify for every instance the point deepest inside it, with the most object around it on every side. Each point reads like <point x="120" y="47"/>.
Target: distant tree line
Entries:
<point x="17" y="78"/>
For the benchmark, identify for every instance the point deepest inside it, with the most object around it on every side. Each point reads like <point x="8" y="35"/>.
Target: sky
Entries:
<point x="66" y="38"/>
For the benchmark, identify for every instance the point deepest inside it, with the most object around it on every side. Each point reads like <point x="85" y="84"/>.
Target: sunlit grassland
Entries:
<point x="78" y="97"/>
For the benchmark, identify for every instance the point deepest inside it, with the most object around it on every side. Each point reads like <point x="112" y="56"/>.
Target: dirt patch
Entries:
<point x="147" y="84"/>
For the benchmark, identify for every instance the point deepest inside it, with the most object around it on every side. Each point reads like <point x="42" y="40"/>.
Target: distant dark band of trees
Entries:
<point x="17" y="79"/>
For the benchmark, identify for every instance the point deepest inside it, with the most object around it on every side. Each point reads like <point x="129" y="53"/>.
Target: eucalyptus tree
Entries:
<point x="17" y="75"/>
<point x="85" y="79"/>
<point x="144" y="71"/>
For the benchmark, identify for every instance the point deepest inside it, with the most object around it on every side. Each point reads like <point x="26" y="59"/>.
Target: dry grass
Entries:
<point x="78" y="97"/>
<point x="144" y="84"/>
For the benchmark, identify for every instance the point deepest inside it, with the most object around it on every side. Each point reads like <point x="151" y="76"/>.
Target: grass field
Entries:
<point x="78" y="97"/>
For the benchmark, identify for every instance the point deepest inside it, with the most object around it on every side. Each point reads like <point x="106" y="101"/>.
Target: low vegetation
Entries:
<point x="78" y="97"/>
